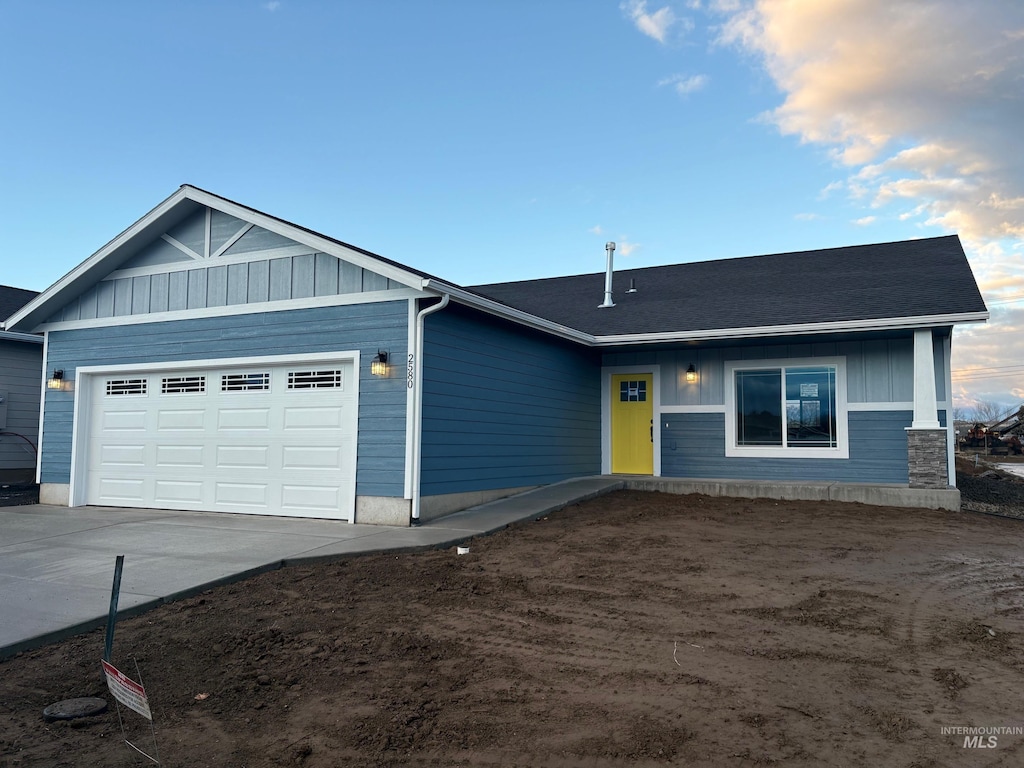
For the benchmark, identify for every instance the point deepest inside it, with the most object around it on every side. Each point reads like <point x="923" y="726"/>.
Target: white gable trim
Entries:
<point x="186" y="266"/>
<point x="90" y="270"/>
<point x="182" y="247"/>
<point x="317" y="242"/>
<point x="343" y="299"/>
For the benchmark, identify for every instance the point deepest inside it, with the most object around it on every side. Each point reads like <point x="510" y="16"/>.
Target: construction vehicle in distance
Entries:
<point x="1000" y="439"/>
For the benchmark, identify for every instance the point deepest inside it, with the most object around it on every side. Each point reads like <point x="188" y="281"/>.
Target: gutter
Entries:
<point x="417" y="405"/>
<point x="33" y="338"/>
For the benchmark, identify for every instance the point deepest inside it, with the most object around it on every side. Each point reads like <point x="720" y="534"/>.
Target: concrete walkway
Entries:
<point x="57" y="564"/>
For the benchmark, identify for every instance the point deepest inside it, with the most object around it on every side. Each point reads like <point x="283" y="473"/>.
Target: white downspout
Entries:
<point x="417" y="405"/>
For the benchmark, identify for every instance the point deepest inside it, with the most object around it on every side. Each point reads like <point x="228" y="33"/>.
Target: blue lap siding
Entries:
<point x="693" y="445"/>
<point x="380" y="469"/>
<point x="505" y="407"/>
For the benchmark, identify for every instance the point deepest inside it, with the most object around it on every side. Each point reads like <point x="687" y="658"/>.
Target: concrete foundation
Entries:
<point x="383" y="510"/>
<point x="875" y="495"/>
<point x="55" y="494"/>
<point x="433" y="507"/>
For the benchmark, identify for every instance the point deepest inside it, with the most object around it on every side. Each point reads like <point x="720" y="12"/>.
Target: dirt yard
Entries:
<point x="637" y="629"/>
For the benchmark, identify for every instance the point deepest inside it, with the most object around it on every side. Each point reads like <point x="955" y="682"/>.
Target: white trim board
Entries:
<point x="313" y="302"/>
<point x="693" y="408"/>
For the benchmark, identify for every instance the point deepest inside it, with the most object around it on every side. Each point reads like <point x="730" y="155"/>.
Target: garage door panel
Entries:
<point x="123" y="490"/>
<point x="304" y="417"/>
<point x="311" y="457"/>
<point x="273" y="440"/>
<point x="243" y="456"/>
<point x="242" y="494"/>
<point x="243" y="418"/>
<point x="178" y="456"/>
<point x="191" y="420"/>
<point x="124" y="421"/>
<point x="310" y="497"/>
<point x="114" y="455"/>
<point x="178" y="491"/>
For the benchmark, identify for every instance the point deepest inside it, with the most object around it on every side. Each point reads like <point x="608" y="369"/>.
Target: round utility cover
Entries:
<point x="69" y="709"/>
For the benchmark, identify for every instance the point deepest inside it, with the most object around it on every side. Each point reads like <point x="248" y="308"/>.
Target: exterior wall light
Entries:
<point x="379" y="364"/>
<point x="691" y="374"/>
<point x="56" y="380"/>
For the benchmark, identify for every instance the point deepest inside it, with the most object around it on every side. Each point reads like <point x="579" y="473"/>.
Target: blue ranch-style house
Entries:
<point x="213" y="357"/>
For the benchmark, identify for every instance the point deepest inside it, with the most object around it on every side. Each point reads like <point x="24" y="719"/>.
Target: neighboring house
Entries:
<point x="21" y="370"/>
<point x="214" y="357"/>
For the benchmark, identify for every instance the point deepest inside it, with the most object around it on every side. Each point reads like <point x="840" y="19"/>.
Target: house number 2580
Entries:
<point x="409" y="372"/>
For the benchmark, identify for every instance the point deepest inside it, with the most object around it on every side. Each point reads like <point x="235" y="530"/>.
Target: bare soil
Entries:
<point x="635" y="629"/>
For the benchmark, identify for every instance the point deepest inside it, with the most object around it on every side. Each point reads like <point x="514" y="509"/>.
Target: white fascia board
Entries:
<point x="491" y="307"/>
<point x="317" y="242"/>
<point x="886" y="324"/>
<point x="32" y="338"/>
<point x="83" y="269"/>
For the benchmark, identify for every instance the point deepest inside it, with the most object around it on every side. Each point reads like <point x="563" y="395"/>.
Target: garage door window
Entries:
<point x="117" y="387"/>
<point x="179" y="385"/>
<point x="322" y="379"/>
<point x="245" y="382"/>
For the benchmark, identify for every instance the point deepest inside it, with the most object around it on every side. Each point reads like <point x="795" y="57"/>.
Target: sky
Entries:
<point x="500" y="140"/>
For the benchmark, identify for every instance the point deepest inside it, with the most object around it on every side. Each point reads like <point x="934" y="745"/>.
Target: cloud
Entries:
<point x="597" y="230"/>
<point x="807" y="216"/>
<point x="627" y="248"/>
<point x="273" y="5"/>
<point x="865" y="221"/>
<point x="685" y="84"/>
<point x="655" y="24"/>
<point x="923" y="99"/>
<point x="922" y="104"/>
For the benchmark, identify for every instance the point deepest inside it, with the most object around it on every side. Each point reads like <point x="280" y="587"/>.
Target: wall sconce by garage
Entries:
<point x="379" y="364"/>
<point x="691" y="374"/>
<point x="56" y="380"/>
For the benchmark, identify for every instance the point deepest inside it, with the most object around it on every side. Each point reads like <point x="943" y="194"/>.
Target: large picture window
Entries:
<point x="786" y="409"/>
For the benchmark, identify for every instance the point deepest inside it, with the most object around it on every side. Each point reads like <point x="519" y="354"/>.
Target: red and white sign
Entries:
<point x="126" y="690"/>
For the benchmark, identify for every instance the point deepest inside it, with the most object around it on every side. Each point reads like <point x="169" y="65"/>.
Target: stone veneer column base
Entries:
<point x="927" y="460"/>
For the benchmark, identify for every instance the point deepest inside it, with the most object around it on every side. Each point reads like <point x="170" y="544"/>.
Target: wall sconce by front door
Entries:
<point x="379" y="364"/>
<point x="56" y="380"/>
<point x="691" y="374"/>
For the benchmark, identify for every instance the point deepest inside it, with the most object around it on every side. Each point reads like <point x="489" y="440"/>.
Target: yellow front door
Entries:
<point x="632" y="426"/>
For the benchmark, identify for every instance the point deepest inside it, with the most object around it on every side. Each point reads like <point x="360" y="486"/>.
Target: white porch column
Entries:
<point x="925" y="404"/>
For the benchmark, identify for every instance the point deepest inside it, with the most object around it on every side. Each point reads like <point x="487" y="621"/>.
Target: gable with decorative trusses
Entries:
<point x="212" y="259"/>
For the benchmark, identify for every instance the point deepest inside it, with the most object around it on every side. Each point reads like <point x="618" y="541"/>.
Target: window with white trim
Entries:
<point x="786" y="408"/>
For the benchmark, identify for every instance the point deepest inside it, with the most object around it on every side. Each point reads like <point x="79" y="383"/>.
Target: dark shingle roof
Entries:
<point x="913" y="278"/>
<point x="13" y="299"/>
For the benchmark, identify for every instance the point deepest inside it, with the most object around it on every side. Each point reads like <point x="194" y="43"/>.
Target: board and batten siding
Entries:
<point x="208" y="284"/>
<point x="504" y="407"/>
<point x="21" y="366"/>
<point x="380" y="468"/>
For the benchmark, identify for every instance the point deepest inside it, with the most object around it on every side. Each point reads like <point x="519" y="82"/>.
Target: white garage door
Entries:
<point x="275" y="440"/>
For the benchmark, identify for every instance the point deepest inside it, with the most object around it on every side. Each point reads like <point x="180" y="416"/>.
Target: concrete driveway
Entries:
<point x="57" y="564"/>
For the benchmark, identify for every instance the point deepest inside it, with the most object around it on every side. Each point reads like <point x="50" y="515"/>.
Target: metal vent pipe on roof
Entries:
<point x="610" y="248"/>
